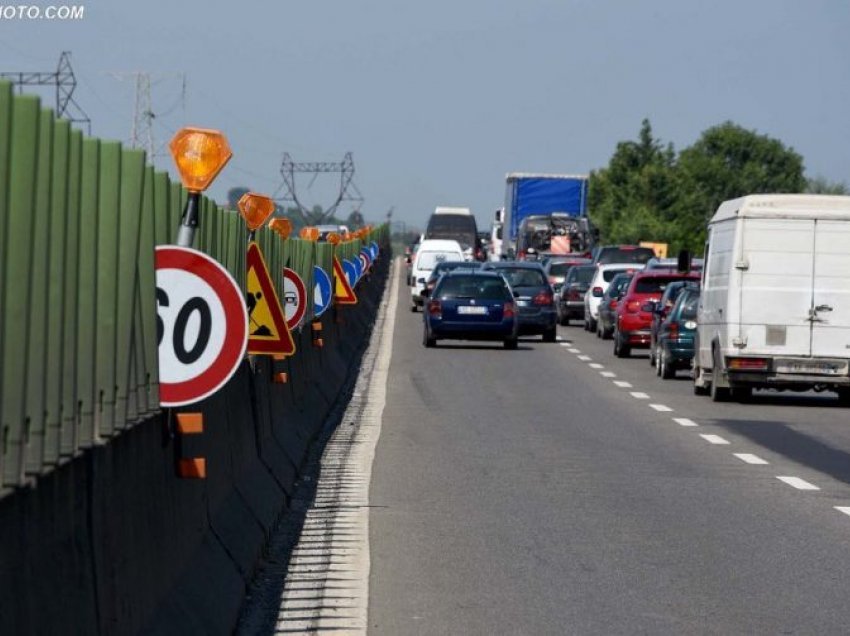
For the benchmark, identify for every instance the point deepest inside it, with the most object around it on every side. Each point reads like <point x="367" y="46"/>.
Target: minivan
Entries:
<point x="429" y="254"/>
<point x="457" y="224"/>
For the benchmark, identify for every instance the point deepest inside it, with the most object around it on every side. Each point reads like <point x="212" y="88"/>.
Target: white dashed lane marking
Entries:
<point x="596" y="365"/>
<point x="585" y="358"/>
<point x="639" y="395"/>
<point x="608" y="374"/>
<point x="714" y="439"/>
<point x="799" y="484"/>
<point x="622" y="384"/>
<point x="573" y="350"/>
<point x="750" y="458"/>
<point x="661" y="408"/>
<point x="844" y="509"/>
<point x="684" y="421"/>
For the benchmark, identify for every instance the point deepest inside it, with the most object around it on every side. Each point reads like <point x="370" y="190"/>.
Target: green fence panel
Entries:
<point x="58" y="231"/>
<point x="147" y="361"/>
<point x="162" y="217"/>
<point x="36" y="363"/>
<point x="87" y="290"/>
<point x="175" y="210"/>
<point x="132" y="178"/>
<point x="70" y="280"/>
<point x="16" y="283"/>
<point x="109" y="204"/>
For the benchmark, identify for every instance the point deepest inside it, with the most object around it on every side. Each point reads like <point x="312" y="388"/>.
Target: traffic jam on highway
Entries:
<point x="767" y="306"/>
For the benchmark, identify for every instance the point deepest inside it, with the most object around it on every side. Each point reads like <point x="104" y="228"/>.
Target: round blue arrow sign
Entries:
<point x="322" y="292"/>
<point x="350" y="272"/>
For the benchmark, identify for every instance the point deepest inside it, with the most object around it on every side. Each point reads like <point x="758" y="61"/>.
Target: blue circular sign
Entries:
<point x="375" y="250"/>
<point x="358" y="268"/>
<point x="350" y="272"/>
<point x="322" y="292"/>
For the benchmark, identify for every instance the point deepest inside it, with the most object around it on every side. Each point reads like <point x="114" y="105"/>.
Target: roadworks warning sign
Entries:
<point x="267" y="330"/>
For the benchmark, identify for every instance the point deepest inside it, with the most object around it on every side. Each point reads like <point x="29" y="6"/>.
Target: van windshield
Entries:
<point x="459" y="227"/>
<point x="426" y="261"/>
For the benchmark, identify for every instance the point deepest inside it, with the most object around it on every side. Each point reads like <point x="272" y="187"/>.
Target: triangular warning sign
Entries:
<point x="267" y="330"/>
<point x="343" y="294"/>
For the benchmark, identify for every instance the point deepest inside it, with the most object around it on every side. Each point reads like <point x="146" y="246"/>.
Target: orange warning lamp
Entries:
<point x="255" y="209"/>
<point x="309" y="233"/>
<point x="200" y="154"/>
<point x="334" y="238"/>
<point x="283" y="227"/>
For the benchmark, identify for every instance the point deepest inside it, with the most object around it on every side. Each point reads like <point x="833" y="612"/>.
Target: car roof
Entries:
<point x="472" y="272"/>
<point x="666" y="273"/>
<point x="440" y="244"/>
<point x="606" y="266"/>
<point x="514" y="265"/>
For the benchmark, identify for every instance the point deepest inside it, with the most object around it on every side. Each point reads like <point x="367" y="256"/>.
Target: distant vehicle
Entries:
<point x="428" y="256"/>
<point x="324" y="230"/>
<point x="673" y="263"/>
<point x="608" y="306"/>
<point x="457" y="224"/>
<point x="634" y="311"/>
<point x="442" y="268"/>
<point x="556" y="268"/>
<point x="535" y="299"/>
<point x="471" y="305"/>
<point x="622" y="254"/>
<point x="775" y="304"/>
<point x="571" y="300"/>
<point x="675" y="339"/>
<point x="553" y="234"/>
<point x="661" y="311"/>
<point x="599" y="283"/>
<point x="537" y="194"/>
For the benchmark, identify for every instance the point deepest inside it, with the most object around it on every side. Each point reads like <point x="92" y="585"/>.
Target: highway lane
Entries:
<point x="524" y="492"/>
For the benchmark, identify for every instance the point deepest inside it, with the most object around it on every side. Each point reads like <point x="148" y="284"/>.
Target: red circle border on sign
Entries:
<point x="235" y="337"/>
<point x="293" y="276"/>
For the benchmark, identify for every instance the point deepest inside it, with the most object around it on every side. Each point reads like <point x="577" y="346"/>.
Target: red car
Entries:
<point x="632" y="329"/>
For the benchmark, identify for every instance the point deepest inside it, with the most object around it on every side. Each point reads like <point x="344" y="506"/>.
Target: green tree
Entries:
<point x="820" y="185"/>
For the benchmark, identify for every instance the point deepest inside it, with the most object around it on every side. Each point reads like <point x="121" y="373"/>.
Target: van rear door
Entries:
<point x="776" y="265"/>
<point x="830" y="317"/>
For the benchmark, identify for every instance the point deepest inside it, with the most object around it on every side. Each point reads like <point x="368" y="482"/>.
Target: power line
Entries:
<point x="348" y="191"/>
<point x="65" y="82"/>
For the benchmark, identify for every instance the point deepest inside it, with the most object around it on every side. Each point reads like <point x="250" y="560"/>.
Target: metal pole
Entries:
<point x="190" y="221"/>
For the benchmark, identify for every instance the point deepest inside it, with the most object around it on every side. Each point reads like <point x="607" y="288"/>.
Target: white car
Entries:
<point x="430" y="252"/>
<point x="601" y="279"/>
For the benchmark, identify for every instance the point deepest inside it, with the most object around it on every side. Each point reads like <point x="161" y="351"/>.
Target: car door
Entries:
<point x="830" y="308"/>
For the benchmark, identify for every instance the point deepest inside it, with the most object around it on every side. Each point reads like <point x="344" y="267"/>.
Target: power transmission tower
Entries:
<point x="348" y="191"/>
<point x="142" y="134"/>
<point x="65" y="82"/>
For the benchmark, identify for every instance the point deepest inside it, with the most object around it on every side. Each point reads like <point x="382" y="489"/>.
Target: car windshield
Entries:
<point x="638" y="255"/>
<point x="484" y="288"/>
<point x="618" y="285"/>
<point x="447" y="266"/>
<point x="689" y="307"/>
<point x="609" y="274"/>
<point x="653" y="285"/>
<point x="523" y="277"/>
<point x="428" y="260"/>
<point x="581" y="274"/>
<point x="560" y="269"/>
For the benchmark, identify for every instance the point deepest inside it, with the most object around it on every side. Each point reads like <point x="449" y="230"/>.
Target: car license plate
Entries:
<point x="814" y="368"/>
<point x="472" y="311"/>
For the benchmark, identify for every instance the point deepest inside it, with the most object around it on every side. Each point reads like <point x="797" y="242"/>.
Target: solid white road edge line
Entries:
<point x="714" y="439"/>
<point x="799" y="484"/>
<point x="350" y="452"/>
<point x="750" y="458"/>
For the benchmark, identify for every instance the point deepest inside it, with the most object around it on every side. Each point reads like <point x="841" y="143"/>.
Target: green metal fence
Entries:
<point x="79" y="220"/>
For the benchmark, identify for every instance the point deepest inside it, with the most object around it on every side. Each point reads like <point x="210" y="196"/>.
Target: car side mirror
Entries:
<point x="408" y="260"/>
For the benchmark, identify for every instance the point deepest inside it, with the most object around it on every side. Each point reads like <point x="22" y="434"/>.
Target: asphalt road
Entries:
<point x="523" y="492"/>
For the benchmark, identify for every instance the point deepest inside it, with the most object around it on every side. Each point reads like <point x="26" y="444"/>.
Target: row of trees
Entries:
<point x="650" y="192"/>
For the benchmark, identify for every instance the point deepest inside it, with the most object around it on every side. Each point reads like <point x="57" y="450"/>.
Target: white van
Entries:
<point x="430" y="252"/>
<point x="775" y="303"/>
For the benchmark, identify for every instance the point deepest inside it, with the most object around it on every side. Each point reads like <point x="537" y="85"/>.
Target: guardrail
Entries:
<point x="79" y="220"/>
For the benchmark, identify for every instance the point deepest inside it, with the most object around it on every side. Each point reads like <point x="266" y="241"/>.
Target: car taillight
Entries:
<point x="435" y="308"/>
<point x="674" y="329"/>
<point x="597" y="291"/>
<point x="747" y="364"/>
<point x="520" y="256"/>
<point x="612" y="304"/>
<point x="543" y="298"/>
<point x="633" y="306"/>
<point x="509" y="311"/>
<point x="574" y="294"/>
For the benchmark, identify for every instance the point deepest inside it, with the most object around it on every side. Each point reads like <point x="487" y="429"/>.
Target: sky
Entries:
<point x="438" y="100"/>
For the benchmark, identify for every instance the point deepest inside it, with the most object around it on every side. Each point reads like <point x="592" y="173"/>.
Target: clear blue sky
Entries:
<point x="438" y="100"/>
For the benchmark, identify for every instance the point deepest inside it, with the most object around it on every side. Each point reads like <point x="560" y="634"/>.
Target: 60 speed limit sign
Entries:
<point x="201" y="325"/>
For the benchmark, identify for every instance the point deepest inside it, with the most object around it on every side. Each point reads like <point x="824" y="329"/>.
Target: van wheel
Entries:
<point x="511" y="343"/>
<point x="699" y="390"/>
<point x="718" y="393"/>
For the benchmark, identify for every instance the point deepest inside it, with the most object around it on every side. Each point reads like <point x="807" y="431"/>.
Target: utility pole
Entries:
<point x="65" y="82"/>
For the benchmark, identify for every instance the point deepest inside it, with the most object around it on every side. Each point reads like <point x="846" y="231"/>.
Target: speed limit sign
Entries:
<point x="201" y="325"/>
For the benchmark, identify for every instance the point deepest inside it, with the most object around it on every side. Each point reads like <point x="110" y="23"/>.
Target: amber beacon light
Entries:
<point x="200" y="154"/>
<point x="255" y="209"/>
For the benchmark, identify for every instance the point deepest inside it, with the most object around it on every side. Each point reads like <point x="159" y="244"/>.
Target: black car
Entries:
<point x="556" y="268"/>
<point x="662" y="309"/>
<point x="535" y="298"/>
<point x="571" y="300"/>
<point x="608" y="304"/>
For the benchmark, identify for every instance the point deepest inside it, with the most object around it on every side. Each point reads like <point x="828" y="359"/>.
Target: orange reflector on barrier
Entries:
<point x="281" y="378"/>
<point x="318" y="343"/>
<point x="190" y="423"/>
<point x="192" y="468"/>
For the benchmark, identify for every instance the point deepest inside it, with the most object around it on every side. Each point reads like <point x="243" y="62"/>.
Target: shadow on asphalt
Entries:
<point x="801" y="448"/>
<point x="480" y="347"/>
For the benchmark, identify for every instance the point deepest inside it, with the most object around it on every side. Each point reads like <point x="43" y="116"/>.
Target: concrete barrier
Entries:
<point x="114" y="543"/>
